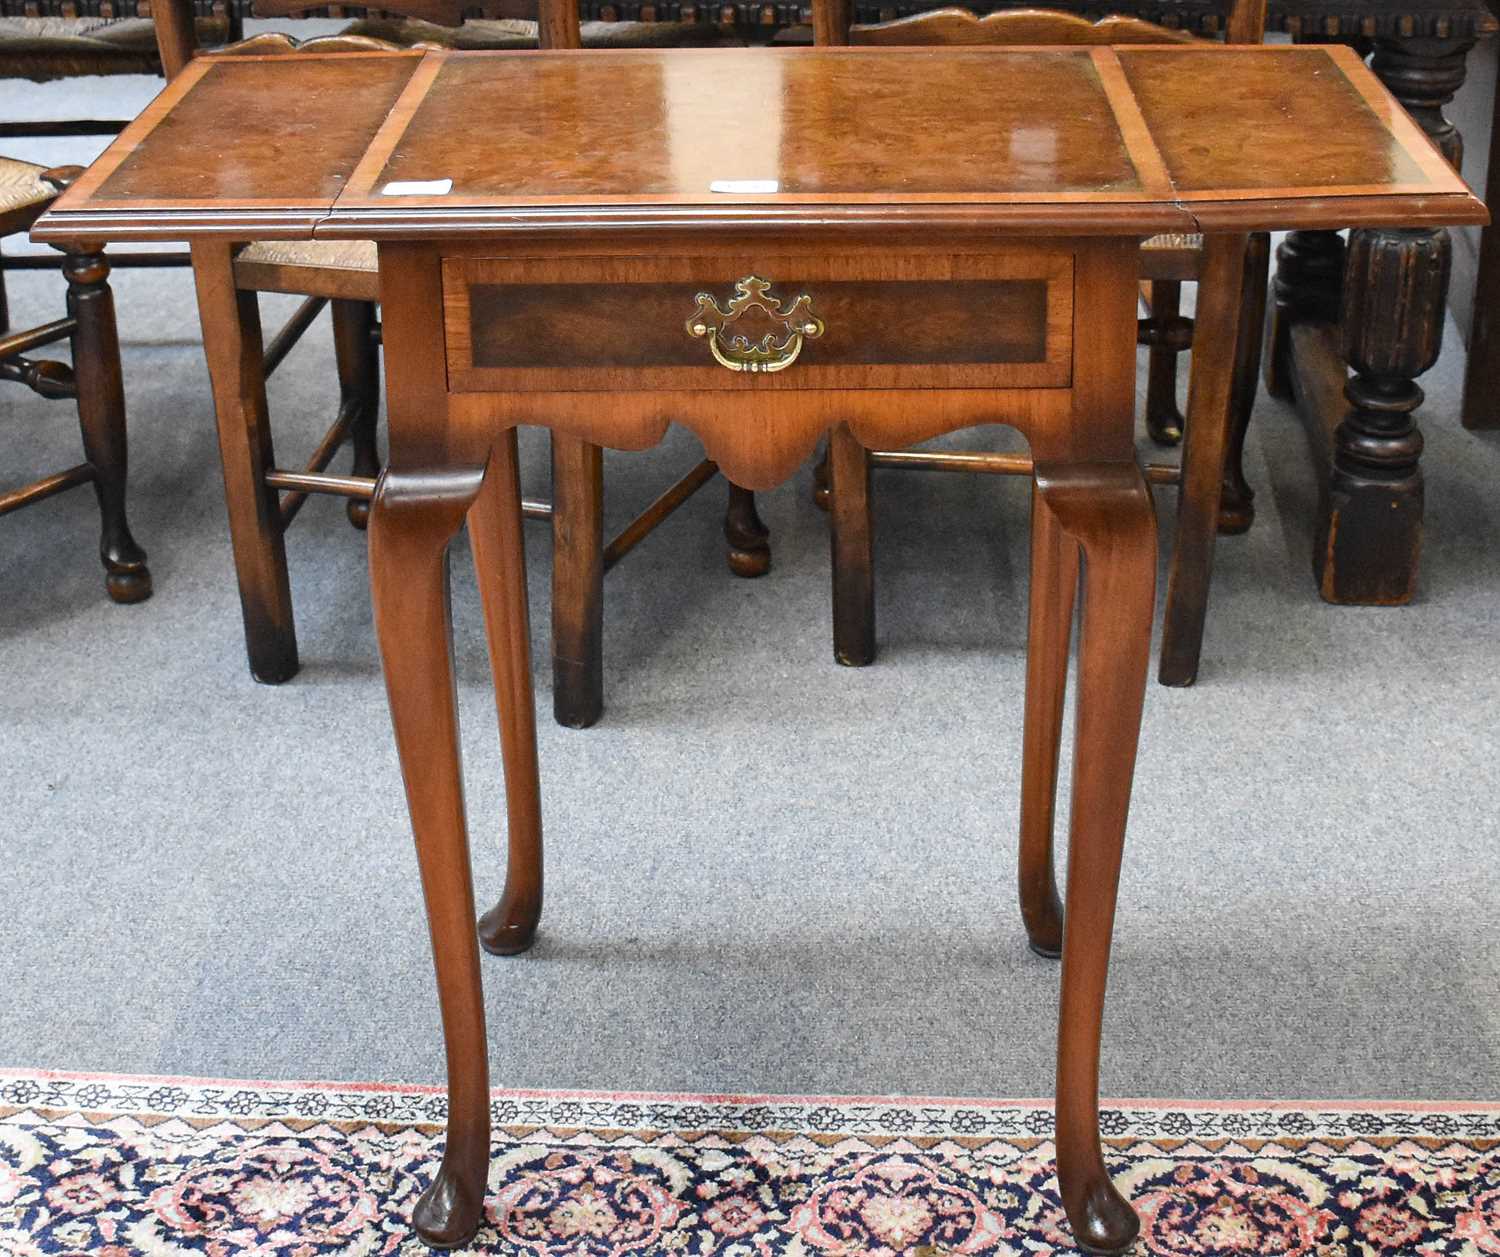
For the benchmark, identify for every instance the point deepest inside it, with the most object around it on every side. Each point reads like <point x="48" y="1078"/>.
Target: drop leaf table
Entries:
<point x="733" y="252"/>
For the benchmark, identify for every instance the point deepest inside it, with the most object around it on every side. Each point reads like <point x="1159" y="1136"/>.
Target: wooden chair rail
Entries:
<point x="332" y="440"/>
<point x="645" y="523"/>
<point x="45" y="488"/>
<point x="291" y="332"/>
<point x="36" y="337"/>
<point x="314" y="479"/>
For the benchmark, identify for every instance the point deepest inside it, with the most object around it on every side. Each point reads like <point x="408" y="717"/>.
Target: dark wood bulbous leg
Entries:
<point x="1164" y="420"/>
<point x="748" y="537"/>
<point x="101" y="419"/>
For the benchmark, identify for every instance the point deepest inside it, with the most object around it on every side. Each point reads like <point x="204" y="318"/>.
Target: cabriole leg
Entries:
<point x="500" y="561"/>
<point x="1237" y="502"/>
<point x="413" y="518"/>
<point x="1105" y="509"/>
<point x="1054" y="581"/>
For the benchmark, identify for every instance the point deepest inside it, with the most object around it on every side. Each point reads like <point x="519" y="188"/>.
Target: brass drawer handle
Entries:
<point x="798" y="322"/>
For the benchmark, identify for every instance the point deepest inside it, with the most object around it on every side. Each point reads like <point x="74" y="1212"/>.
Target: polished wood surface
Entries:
<point x="899" y="321"/>
<point x="1249" y="133"/>
<point x="558" y="131"/>
<point x="297" y="137"/>
<point x="1072" y="140"/>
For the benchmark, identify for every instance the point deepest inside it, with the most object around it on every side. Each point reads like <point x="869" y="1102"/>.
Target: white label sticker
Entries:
<point x="745" y="187"/>
<point x="431" y="187"/>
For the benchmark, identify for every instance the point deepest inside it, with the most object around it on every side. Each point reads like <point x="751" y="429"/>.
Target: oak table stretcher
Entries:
<point x="731" y="255"/>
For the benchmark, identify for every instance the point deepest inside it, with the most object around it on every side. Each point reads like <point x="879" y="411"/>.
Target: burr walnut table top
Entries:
<point x="1089" y="140"/>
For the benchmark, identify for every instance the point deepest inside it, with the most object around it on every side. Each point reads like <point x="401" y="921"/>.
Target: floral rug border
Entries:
<point x="395" y="1104"/>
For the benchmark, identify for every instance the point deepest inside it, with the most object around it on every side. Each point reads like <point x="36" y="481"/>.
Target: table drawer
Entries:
<point x="652" y="324"/>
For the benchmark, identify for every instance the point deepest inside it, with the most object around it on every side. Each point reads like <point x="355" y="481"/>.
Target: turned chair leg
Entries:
<point x="359" y="391"/>
<point x="236" y="366"/>
<point x="1054" y="581"/>
<point x="1163" y="419"/>
<point x="748" y="538"/>
<point x="1209" y="390"/>
<point x="852" y="532"/>
<point x="1106" y="509"/>
<point x="1237" y="502"/>
<point x="413" y="518"/>
<point x="101" y="418"/>
<point x="500" y="562"/>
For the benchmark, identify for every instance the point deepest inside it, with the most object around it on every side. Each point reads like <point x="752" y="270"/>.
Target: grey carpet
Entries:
<point x="766" y="872"/>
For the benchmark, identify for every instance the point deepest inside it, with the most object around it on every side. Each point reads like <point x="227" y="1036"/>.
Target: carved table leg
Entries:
<point x="1106" y="509"/>
<point x="232" y="344"/>
<point x="748" y="537"/>
<point x="852" y="531"/>
<point x="500" y="561"/>
<point x="1307" y="289"/>
<point x="577" y="581"/>
<point x="1163" y="419"/>
<point x="1369" y="528"/>
<point x="1370" y="533"/>
<point x="1423" y="74"/>
<point x="1209" y="390"/>
<point x="359" y="387"/>
<point x="101" y="418"/>
<point x="1237" y="502"/>
<point x="1054" y="581"/>
<point x="413" y="518"/>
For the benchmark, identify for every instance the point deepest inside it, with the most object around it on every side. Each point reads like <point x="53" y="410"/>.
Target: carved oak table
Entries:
<point x="730" y="255"/>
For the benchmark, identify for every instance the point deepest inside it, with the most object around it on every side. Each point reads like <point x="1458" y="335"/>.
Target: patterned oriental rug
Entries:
<point x="104" y="1166"/>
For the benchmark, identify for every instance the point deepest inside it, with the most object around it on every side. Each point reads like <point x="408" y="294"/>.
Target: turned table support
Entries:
<point x="1376" y="306"/>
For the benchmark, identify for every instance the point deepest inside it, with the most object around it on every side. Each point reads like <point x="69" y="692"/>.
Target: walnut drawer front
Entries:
<point x="684" y="323"/>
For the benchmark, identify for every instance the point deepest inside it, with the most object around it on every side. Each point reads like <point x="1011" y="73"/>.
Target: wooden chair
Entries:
<point x="54" y="41"/>
<point x="93" y="380"/>
<point x="1217" y="499"/>
<point x="263" y="498"/>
